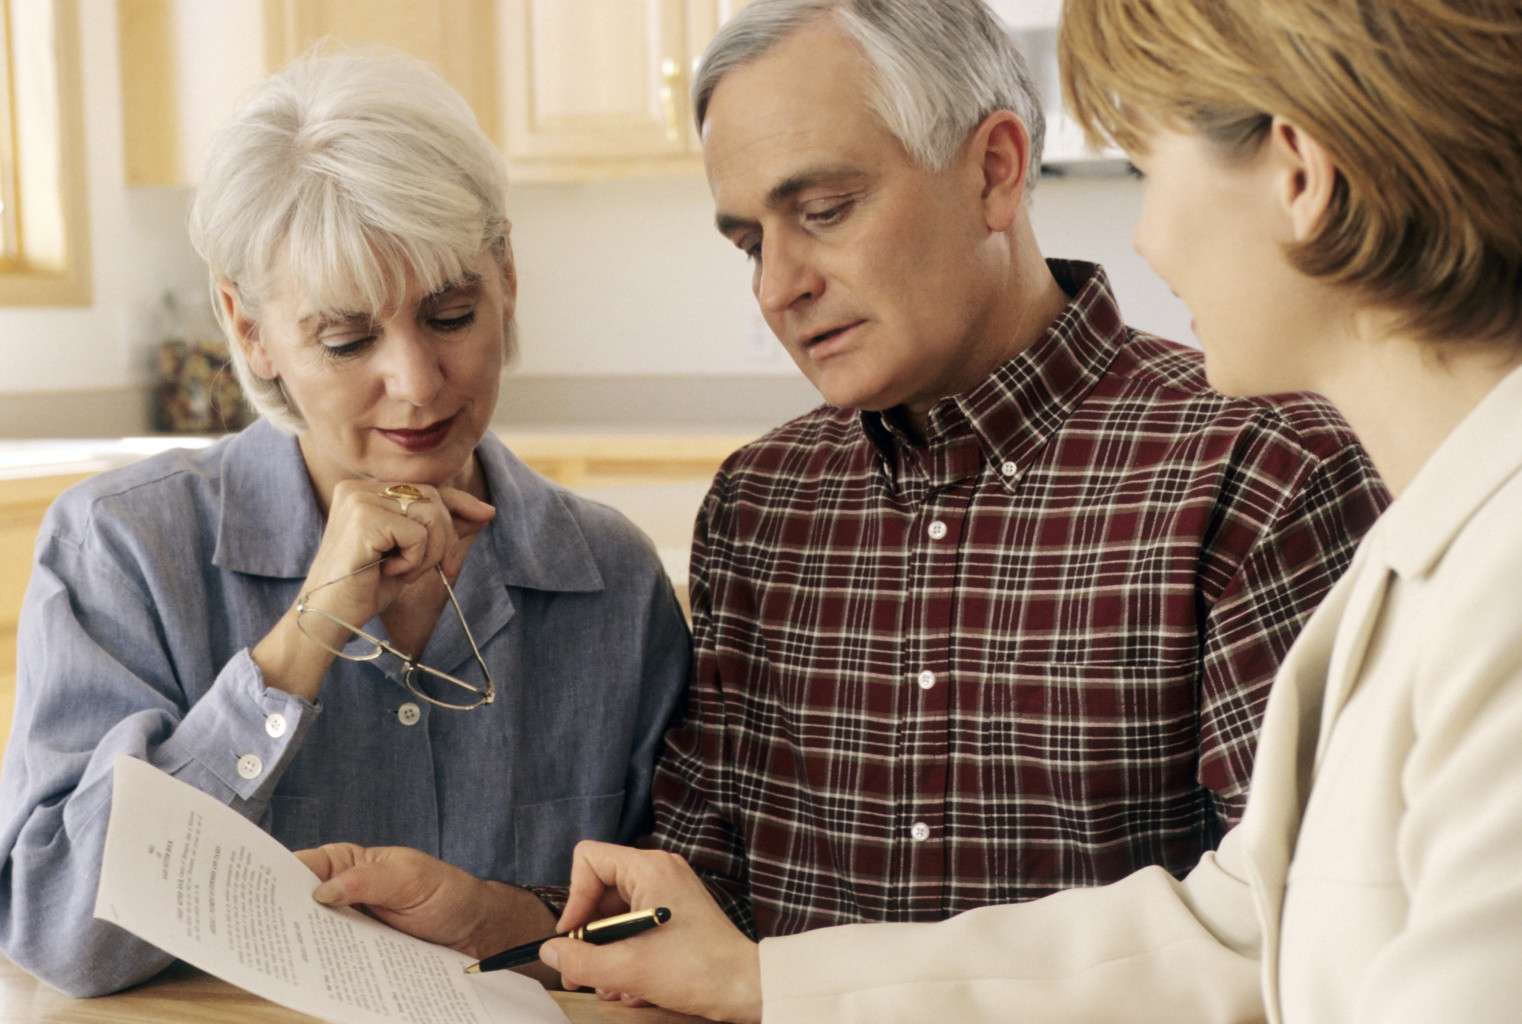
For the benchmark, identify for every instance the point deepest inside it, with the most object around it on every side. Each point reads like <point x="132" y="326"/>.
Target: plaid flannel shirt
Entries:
<point x="1030" y="653"/>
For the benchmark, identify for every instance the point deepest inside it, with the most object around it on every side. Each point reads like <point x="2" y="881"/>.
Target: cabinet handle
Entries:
<point x="671" y="80"/>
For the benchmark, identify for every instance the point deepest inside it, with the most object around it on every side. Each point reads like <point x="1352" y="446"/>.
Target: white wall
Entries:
<point x="630" y="278"/>
<point x="618" y="279"/>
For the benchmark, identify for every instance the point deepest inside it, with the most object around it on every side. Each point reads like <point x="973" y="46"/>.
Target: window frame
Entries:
<point x="57" y="203"/>
<point x="10" y="224"/>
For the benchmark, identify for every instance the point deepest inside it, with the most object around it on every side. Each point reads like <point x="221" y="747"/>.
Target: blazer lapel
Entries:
<point x="1356" y="626"/>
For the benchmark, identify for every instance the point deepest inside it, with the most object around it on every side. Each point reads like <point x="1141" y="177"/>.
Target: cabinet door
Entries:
<point x="186" y="64"/>
<point x="457" y="37"/>
<point x="598" y="88"/>
<point x="22" y="504"/>
<point x="596" y="79"/>
<point x="705" y="17"/>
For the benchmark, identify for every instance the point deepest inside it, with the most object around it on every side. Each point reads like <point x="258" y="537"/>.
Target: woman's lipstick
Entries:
<point x="424" y="440"/>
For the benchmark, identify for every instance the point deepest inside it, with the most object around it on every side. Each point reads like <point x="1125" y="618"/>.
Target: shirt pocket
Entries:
<point x="1083" y="735"/>
<point x="544" y="834"/>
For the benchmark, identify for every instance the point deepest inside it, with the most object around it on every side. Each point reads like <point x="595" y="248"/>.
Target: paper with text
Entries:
<point x="204" y="884"/>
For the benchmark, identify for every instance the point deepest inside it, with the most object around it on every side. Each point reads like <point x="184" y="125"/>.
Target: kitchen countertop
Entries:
<point x="19" y="459"/>
<point x="663" y="507"/>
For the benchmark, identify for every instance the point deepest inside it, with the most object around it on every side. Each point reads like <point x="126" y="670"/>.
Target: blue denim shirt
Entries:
<point x="151" y="584"/>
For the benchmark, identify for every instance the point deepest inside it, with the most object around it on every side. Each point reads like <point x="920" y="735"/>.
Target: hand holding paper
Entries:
<point x="196" y="879"/>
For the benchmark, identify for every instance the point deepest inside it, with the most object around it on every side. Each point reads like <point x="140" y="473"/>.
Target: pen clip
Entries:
<point x="592" y="927"/>
<point x="610" y="929"/>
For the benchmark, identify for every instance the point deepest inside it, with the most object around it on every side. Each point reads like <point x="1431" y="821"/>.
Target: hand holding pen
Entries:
<point x="700" y="964"/>
<point x="609" y="929"/>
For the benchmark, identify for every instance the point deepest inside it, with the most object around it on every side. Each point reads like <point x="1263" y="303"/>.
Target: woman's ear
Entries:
<point x="1308" y="176"/>
<point x="245" y="331"/>
<point x="1001" y="148"/>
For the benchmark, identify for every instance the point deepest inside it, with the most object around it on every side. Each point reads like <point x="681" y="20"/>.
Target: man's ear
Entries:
<point x="245" y="331"/>
<point x="1000" y="146"/>
<point x="1307" y="176"/>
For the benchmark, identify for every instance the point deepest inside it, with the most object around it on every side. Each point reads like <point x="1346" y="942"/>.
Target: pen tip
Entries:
<point x="473" y="969"/>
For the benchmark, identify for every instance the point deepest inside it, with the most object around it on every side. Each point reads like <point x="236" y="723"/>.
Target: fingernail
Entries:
<point x="327" y="893"/>
<point x="550" y="955"/>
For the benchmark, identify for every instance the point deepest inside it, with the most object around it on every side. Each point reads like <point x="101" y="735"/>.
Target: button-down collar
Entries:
<point x="1014" y="412"/>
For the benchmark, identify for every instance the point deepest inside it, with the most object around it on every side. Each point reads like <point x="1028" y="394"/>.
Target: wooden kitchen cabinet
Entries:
<point x="457" y="37"/>
<point x="570" y="89"/>
<point x="185" y="64"/>
<point x="22" y="505"/>
<point x="598" y="88"/>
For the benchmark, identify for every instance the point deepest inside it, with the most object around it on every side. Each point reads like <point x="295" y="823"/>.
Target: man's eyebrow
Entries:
<point x="727" y="225"/>
<point x="786" y="189"/>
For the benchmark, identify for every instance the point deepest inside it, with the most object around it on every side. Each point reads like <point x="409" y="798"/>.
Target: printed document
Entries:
<point x="204" y="884"/>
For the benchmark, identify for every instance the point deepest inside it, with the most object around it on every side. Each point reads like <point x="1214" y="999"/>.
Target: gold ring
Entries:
<point x="405" y="495"/>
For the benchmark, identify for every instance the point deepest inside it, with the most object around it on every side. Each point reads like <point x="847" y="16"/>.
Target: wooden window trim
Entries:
<point x="64" y="280"/>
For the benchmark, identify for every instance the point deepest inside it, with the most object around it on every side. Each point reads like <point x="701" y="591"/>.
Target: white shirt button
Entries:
<point x="1009" y="469"/>
<point x="926" y="679"/>
<point x="937" y="530"/>
<point x="919" y="831"/>
<point x="250" y="767"/>
<point x="275" y="725"/>
<point x="409" y="714"/>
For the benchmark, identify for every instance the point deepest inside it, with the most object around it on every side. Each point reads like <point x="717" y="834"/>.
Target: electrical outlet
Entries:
<point x="761" y="345"/>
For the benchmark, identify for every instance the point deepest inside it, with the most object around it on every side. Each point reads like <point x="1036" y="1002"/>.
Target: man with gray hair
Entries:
<point x="1001" y="617"/>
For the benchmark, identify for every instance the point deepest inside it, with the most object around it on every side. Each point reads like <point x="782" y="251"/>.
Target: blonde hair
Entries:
<point x="1419" y="103"/>
<point x="349" y="170"/>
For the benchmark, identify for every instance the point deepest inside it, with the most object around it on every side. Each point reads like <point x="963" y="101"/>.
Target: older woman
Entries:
<point x="362" y="619"/>
<point x="1334" y="187"/>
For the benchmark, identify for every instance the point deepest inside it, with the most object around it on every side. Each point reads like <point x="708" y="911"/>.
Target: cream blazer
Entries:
<point x="1376" y="877"/>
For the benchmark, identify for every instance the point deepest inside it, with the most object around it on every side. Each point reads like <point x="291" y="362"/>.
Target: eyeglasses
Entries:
<point x="415" y="674"/>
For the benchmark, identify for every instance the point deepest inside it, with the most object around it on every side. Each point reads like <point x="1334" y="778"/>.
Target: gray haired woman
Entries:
<point x="361" y="620"/>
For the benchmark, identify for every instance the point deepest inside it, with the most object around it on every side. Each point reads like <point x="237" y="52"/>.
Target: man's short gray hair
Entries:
<point x="348" y="171"/>
<point x="940" y="66"/>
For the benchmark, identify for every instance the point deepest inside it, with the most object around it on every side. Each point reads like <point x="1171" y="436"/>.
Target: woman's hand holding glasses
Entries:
<point x="382" y="539"/>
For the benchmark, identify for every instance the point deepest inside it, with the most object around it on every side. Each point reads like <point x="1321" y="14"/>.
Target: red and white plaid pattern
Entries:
<point x="1029" y="654"/>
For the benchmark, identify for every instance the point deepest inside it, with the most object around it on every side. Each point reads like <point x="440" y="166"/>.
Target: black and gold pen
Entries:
<point x="609" y="929"/>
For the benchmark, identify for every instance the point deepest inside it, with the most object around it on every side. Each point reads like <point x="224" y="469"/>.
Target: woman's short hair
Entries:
<point x="349" y="170"/>
<point x="940" y="66"/>
<point x="1419" y="103"/>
